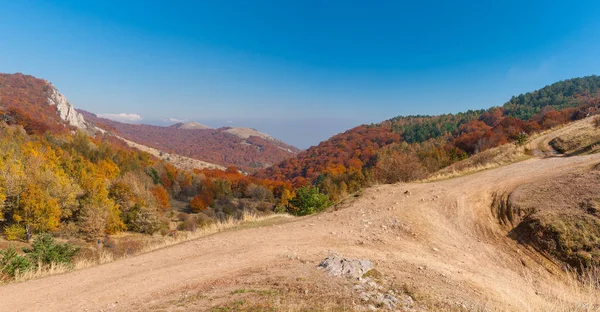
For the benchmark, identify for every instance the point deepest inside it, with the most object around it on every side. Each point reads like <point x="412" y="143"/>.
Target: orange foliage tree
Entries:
<point x="162" y="197"/>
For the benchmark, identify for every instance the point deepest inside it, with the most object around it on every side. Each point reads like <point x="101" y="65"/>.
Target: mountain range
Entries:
<point x="245" y="148"/>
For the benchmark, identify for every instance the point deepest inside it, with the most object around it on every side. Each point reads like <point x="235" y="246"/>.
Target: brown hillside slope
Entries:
<point x="441" y="243"/>
<point x="217" y="146"/>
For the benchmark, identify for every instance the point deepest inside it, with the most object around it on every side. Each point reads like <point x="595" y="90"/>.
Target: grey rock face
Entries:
<point x="338" y="266"/>
<point x="66" y="111"/>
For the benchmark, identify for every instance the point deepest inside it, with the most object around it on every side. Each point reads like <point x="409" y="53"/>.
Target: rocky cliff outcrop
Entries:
<point x="66" y="111"/>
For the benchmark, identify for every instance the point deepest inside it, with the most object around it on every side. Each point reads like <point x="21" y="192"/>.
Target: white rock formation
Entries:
<point x="66" y="111"/>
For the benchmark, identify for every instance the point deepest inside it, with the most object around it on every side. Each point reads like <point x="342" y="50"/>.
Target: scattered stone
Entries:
<point x="389" y="301"/>
<point x="364" y="296"/>
<point x="407" y="302"/>
<point x="407" y="192"/>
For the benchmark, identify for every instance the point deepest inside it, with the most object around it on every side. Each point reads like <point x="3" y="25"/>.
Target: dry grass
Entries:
<point x="581" y="139"/>
<point x="103" y="256"/>
<point x="489" y="159"/>
<point x="580" y="293"/>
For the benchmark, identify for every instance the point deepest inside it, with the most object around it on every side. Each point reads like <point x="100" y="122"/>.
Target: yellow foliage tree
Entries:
<point x="107" y="169"/>
<point x="37" y="210"/>
<point x="284" y="202"/>
<point x="100" y="214"/>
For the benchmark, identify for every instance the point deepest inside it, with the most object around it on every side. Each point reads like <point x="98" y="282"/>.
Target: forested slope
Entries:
<point x="405" y="148"/>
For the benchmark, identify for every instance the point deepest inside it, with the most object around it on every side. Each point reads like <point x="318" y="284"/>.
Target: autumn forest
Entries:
<point x="86" y="185"/>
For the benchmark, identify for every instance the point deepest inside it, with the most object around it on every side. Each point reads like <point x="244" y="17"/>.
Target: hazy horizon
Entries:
<point x="300" y="71"/>
<point x="285" y="130"/>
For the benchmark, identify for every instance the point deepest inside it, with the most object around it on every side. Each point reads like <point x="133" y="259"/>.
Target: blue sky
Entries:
<point x="299" y="70"/>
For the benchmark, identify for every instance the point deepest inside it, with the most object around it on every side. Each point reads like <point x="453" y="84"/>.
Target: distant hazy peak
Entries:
<point x="245" y="133"/>
<point x="190" y="125"/>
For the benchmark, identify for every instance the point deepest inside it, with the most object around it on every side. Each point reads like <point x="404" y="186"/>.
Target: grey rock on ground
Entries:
<point x="336" y="265"/>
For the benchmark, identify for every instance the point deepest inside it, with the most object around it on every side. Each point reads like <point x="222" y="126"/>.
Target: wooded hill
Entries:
<point x="405" y="148"/>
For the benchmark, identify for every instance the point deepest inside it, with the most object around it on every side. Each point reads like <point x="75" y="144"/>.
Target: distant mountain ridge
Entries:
<point x="245" y="148"/>
<point x="189" y="125"/>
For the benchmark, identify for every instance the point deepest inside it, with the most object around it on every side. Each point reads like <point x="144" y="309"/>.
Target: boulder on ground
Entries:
<point x="337" y="265"/>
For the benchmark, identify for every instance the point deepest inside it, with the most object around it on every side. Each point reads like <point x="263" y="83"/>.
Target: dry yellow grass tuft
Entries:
<point x="492" y="158"/>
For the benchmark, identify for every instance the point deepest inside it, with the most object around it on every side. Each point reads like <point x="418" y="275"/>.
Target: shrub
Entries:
<point x="597" y="121"/>
<point x="308" y="200"/>
<point x="399" y="167"/>
<point x="521" y="138"/>
<point x="46" y="251"/>
<point x="14" y="232"/>
<point x="201" y="201"/>
<point x="161" y="196"/>
<point x="188" y="222"/>
<point x="259" y="192"/>
<point x="143" y="220"/>
<point x="281" y="209"/>
<point x="12" y="263"/>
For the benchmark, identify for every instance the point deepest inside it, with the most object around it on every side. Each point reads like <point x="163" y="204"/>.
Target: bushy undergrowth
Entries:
<point x="44" y="252"/>
<point x="308" y="200"/>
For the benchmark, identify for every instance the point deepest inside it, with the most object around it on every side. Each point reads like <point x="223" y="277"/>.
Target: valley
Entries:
<point x="452" y="210"/>
<point x="439" y="243"/>
<point x="300" y="156"/>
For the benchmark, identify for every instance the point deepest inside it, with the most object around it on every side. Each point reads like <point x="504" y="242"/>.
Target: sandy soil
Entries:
<point x="442" y="238"/>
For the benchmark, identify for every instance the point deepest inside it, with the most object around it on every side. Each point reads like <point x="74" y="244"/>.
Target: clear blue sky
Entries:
<point x="299" y="70"/>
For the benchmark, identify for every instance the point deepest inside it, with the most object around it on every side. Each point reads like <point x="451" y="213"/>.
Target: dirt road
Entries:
<point x="441" y="237"/>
